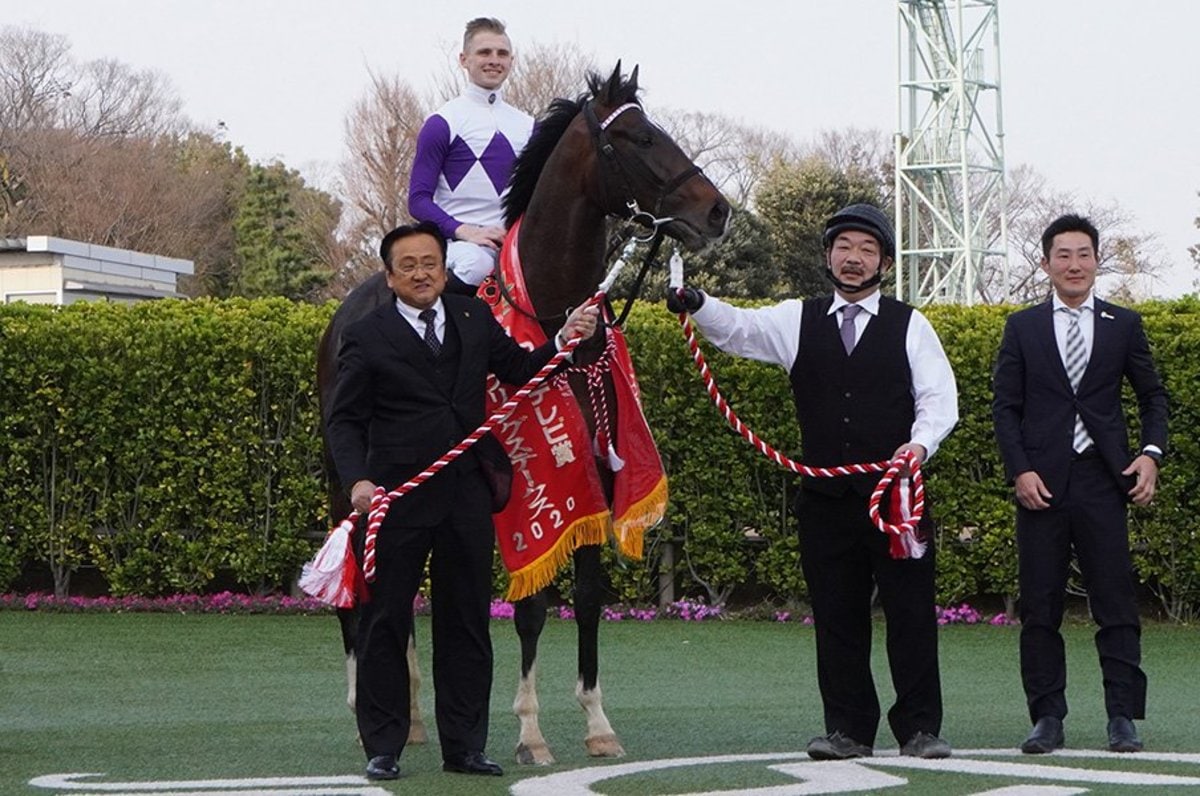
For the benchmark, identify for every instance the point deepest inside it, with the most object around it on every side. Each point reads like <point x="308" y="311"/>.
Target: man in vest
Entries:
<point x="870" y="381"/>
<point x="465" y="154"/>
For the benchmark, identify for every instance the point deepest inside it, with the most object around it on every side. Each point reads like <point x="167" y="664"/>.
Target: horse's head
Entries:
<point x="641" y="173"/>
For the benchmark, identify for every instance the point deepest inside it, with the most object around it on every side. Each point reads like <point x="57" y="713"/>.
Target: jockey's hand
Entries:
<point x="487" y="237"/>
<point x="690" y="300"/>
<point x="581" y="322"/>
<point x="918" y="452"/>
<point x="360" y="495"/>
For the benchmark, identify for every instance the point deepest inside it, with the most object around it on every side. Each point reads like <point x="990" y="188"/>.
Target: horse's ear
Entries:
<point x="614" y="83"/>
<point x="633" y="87"/>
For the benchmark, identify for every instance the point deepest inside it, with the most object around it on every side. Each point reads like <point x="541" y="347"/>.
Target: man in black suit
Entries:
<point x="410" y="386"/>
<point x="1061" y="431"/>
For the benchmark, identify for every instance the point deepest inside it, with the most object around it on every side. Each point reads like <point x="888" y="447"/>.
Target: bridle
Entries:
<point x="615" y="168"/>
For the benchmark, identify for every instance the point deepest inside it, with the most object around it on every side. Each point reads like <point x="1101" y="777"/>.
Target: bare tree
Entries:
<point x="862" y="153"/>
<point x="545" y="72"/>
<point x="35" y="76"/>
<point x="1130" y="260"/>
<point x="541" y="73"/>
<point x="111" y="99"/>
<point x="734" y="156"/>
<point x="381" y="140"/>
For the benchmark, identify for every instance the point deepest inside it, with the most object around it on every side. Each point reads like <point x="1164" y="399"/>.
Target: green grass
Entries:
<point x="178" y="697"/>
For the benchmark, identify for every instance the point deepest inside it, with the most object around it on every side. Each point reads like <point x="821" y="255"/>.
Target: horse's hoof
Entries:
<point x="537" y="755"/>
<point x="417" y="734"/>
<point x="604" y="746"/>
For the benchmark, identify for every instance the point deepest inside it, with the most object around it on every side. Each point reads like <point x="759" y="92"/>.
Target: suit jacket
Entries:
<point x="1034" y="407"/>
<point x="391" y="418"/>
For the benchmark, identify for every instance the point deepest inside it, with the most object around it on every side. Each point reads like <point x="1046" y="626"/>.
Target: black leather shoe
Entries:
<point x="1047" y="736"/>
<point x="383" y="767"/>
<point x="472" y="763"/>
<point x="836" y="746"/>
<point x="927" y="746"/>
<point x="1122" y="735"/>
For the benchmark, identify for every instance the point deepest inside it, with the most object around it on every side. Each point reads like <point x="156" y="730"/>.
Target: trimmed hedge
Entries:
<point x="171" y="441"/>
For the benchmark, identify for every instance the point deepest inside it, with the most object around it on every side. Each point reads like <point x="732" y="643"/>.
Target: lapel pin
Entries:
<point x="1104" y="314"/>
<point x="466" y="315"/>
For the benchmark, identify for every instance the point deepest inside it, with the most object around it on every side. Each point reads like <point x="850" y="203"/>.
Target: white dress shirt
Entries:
<point x="412" y="315"/>
<point x="772" y="334"/>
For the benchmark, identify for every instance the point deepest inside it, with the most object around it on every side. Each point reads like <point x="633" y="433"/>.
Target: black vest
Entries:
<point x="856" y="408"/>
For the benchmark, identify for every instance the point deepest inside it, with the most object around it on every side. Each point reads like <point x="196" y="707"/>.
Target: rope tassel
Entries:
<point x="333" y="576"/>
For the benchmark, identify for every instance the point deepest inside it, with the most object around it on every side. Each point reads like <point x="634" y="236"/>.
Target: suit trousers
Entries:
<point x="1090" y="519"/>
<point x="459" y="550"/>
<point x="844" y="557"/>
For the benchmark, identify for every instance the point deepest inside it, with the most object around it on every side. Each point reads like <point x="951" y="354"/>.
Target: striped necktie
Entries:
<point x="1076" y="363"/>
<point x="431" y="338"/>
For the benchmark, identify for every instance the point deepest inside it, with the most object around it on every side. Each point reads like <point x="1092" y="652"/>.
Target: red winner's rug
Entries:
<point x="557" y="503"/>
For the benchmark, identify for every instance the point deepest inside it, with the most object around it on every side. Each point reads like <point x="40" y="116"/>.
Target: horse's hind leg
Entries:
<point x="529" y="616"/>
<point x="416" y="726"/>
<point x="348" y="619"/>
<point x="601" y="740"/>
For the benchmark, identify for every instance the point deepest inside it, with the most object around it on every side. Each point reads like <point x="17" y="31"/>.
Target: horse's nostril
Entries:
<point x="718" y="216"/>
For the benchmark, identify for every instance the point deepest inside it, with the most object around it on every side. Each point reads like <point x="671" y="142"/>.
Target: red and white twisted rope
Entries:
<point x="594" y="373"/>
<point x="381" y="501"/>
<point x="890" y="469"/>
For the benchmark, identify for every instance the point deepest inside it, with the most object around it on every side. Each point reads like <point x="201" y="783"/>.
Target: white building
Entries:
<point x="41" y="269"/>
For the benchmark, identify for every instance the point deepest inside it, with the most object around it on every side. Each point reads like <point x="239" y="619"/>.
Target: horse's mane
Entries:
<point x="549" y="129"/>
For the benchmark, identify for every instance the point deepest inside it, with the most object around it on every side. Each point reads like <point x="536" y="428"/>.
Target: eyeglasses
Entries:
<point x="411" y="269"/>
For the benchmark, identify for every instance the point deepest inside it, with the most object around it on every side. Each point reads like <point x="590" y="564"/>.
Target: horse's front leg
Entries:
<point x="601" y="740"/>
<point x="529" y="616"/>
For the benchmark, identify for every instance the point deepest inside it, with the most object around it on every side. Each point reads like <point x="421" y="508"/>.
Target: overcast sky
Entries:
<point x="1099" y="96"/>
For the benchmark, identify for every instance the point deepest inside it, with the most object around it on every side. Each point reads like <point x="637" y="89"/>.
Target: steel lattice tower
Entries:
<point x="949" y="153"/>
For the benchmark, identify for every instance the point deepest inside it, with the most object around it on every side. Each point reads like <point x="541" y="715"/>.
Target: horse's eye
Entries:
<point x="645" y="140"/>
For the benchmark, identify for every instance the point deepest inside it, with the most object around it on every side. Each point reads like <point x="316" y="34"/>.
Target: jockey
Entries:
<point x="465" y="154"/>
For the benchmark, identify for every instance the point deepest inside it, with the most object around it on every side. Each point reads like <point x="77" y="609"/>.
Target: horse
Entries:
<point x="590" y="159"/>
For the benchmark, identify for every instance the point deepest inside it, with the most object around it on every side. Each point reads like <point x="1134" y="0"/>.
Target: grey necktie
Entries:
<point x="848" y="313"/>
<point x="431" y="338"/>
<point x="1076" y="362"/>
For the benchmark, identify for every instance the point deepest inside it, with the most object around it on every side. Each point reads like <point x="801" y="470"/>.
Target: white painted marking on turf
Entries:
<point x="960" y="765"/>
<point x="370" y="791"/>
<point x="579" y="782"/>
<point x="264" y="786"/>
<point x="1092" y="754"/>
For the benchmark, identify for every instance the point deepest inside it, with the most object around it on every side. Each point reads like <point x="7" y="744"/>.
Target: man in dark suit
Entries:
<point x="1061" y="432"/>
<point x="410" y="386"/>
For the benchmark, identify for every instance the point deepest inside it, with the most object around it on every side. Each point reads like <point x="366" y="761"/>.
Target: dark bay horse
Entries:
<point x="590" y="159"/>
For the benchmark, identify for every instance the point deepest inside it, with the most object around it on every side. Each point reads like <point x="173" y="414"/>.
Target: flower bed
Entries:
<point x="229" y="603"/>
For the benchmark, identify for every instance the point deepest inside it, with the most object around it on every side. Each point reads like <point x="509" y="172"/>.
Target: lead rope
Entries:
<point x="904" y="543"/>
<point x="328" y="576"/>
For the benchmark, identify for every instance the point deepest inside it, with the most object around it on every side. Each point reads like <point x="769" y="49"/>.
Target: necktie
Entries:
<point x="431" y="338"/>
<point x="1076" y="365"/>
<point x="848" y="313"/>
